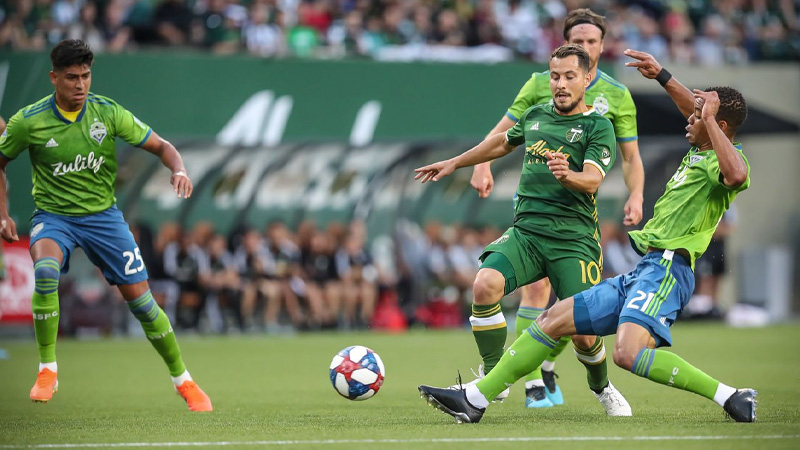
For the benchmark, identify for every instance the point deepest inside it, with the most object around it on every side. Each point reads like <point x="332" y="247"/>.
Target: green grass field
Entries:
<point x="274" y="392"/>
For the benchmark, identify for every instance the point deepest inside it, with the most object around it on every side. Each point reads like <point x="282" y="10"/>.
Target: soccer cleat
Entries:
<point x="46" y="385"/>
<point x="196" y="399"/>
<point x="453" y="402"/>
<point x="478" y="377"/>
<point x="741" y="406"/>
<point x="535" y="397"/>
<point x="553" y="391"/>
<point x="613" y="401"/>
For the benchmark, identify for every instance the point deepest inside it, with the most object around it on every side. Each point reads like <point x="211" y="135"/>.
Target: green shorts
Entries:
<point x="572" y="265"/>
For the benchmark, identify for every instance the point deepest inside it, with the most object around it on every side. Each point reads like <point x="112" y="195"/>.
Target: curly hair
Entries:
<point x="71" y="52"/>
<point x="732" y="107"/>
<point x="573" y="49"/>
<point x="581" y="16"/>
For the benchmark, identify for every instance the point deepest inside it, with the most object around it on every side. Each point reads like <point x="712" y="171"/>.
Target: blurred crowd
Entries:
<point x="690" y="31"/>
<point x="280" y="280"/>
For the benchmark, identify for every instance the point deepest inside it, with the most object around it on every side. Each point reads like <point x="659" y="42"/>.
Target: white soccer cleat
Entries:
<point x="613" y="401"/>
<point x="478" y="377"/>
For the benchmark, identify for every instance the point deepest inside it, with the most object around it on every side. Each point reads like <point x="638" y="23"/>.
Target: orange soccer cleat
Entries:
<point x="196" y="399"/>
<point x="46" y="385"/>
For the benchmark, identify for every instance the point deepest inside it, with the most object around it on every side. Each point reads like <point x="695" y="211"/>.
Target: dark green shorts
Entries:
<point x="572" y="266"/>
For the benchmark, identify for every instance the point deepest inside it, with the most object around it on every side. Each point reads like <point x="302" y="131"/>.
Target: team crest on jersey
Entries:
<point x="4" y="136"/>
<point x="98" y="132"/>
<point x="574" y="134"/>
<point x="694" y="159"/>
<point x="35" y="230"/>
<point x="600" y="105"/>
<point x="605" y="158"/>
<point x="501" y="239"/>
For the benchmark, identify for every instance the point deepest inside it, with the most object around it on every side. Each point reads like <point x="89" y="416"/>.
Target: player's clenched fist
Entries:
<point x="181" y="184"/>
<point x="557" y="163"/>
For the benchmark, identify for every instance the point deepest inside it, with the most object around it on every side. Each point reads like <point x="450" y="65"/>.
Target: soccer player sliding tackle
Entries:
<point x="70" y="135"/>
<point x="640" y="306"/>
<point x="568" y="150"/>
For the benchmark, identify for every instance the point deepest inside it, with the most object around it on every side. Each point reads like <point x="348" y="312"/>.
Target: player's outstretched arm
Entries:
<point x="172" y="160"/>
<point x="8" y="229"/>
<point x="633" y="174"/>
<point x="490" y="148"/>
<point x="647" y="65"/>
<point x="482" y="179"/>
<point x="587" y="181"/>
<point x="731" y="165"/>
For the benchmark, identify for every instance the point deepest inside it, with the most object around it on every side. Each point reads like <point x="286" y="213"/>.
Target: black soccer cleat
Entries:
<point x="453" y="402"/>
<point x="741" y="406"/>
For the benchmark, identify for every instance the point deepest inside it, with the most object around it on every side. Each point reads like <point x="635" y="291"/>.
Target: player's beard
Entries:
<point x="570" y="107"/>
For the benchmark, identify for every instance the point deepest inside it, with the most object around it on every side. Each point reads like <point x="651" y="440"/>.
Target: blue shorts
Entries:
<point x="104" y="237"/>
<point x="651" y="296"/>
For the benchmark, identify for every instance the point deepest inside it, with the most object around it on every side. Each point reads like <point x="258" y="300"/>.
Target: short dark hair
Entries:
<point x="573" y="49"/>
<point x="581" y="16"/>
<point x="71" y="52"/>
<point x="732" y="107"/>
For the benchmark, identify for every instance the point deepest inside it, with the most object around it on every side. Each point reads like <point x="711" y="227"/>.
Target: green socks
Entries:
<point x="158" y="330"/>
<point x="670" y="369"/>
<point x="44" y="305"/>
<point x="490" y="331"/>
<point x="524" y="355"/>
<point x="594" y="359"/>
<point x="562" y="344"/>
<point x="525" y="317"/>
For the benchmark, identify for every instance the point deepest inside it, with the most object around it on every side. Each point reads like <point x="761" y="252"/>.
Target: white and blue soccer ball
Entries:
<point x="357" y="373"/>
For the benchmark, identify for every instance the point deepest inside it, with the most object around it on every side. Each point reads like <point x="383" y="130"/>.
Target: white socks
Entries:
<point x="723" y="393"/>
<point x="548" y="365"/>
<point x="177" y="381"/>
<point x="52" y="366"/>
<point x="475" y="397"/>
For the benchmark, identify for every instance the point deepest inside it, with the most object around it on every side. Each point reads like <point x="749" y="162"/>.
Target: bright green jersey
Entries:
<point x="687" y="215"/>
<point x="543" y="205"/>
<point x="74" y="163"/>
<point x="609" y="97"/>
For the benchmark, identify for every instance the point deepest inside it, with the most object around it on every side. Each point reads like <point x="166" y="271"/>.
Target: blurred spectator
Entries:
<point x="618" y="255"/>
<point x="86" y="29"/>
<point x="358" y="276"/>
<point x="690" y="31"/>
<point x="221" y="281"/>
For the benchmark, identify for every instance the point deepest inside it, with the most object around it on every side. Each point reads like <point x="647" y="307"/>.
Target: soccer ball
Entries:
<point x="357" y="373"/>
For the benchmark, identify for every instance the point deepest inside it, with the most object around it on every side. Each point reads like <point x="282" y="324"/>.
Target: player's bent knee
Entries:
<point x="625" y="355"/>
<point x="488" y="287"/>
<point x="583" y="341"/>
<point x="46" y="272"/>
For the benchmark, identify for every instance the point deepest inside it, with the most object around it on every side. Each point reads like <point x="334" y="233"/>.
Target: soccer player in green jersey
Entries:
<point x="640" y="306"/>
<point x="70" y="137"/>
<point x="568" y="150"/>
<point x="610" y="99"/>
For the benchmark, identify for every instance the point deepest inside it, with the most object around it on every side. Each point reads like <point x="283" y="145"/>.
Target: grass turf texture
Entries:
<point x="272" y="389"/>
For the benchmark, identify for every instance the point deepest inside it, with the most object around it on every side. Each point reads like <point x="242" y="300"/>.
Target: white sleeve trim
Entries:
<point x="596" y="164"/>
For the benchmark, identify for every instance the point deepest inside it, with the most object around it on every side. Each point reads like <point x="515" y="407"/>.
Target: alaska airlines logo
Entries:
<point x="680" y="176"/>
<point x="538" y="149"/>
<point x="81" y="163"/>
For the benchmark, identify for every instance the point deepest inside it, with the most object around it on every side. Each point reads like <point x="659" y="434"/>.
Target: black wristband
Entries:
<point x="663" y="77"/>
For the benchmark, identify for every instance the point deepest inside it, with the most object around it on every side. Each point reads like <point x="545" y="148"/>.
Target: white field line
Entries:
<point x="401" y="441"/>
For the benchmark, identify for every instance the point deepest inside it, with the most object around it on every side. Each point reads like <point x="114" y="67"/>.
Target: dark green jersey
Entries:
<point x="688" y="213"/>
<point x="544" y="206"/>
<point x="74" y="163"/>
